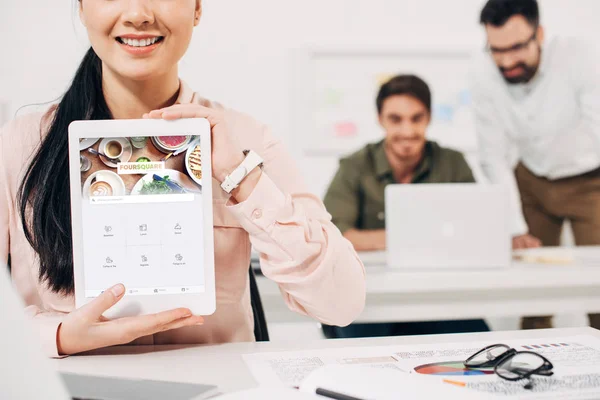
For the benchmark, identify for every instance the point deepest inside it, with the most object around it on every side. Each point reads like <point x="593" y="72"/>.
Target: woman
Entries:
<point x="131" y="72"/>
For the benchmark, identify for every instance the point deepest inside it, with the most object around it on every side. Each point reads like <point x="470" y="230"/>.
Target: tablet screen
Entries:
<point x="142" y="214"/>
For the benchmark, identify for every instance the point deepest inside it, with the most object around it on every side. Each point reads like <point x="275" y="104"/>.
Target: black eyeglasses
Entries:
<point x="515" y="48"/>
<point x="510" y="364"/>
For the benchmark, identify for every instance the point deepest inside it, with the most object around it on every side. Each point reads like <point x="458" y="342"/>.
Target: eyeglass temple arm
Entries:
<point x="545" y="372"/>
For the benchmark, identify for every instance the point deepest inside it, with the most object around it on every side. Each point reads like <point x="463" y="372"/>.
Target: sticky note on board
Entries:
<point x="332" y="97"/>
<point x="345" y="129"/>
<point x="383" y="78"/>
<point x="465" y="97"/>
<point x="443" y="112"/>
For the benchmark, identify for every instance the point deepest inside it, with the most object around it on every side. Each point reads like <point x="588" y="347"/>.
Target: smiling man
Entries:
<point x="356" y="196"/>
<point x="537" y="107"/>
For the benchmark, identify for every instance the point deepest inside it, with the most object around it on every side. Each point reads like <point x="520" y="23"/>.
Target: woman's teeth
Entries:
<point x="139" y="43"/>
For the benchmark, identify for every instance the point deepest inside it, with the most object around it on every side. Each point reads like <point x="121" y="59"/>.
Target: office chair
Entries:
<point x="260" y="322"/>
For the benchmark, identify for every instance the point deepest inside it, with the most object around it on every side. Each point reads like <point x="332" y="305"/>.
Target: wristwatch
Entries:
<point x="233" y="180"/>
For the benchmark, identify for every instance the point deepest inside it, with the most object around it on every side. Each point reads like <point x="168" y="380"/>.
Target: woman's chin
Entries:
<point x="141" y="77"/>
<point x="140" y="73"/>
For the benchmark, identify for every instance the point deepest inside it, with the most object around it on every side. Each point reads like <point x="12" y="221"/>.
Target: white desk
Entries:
<point x="222" y="365"/>
<point x="411" y="295"/>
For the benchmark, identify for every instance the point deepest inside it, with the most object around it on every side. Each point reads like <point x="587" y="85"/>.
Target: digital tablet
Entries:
<point x="141" y="206"/>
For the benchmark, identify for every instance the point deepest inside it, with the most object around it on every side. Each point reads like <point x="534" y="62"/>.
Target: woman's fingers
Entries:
<point x="92" y="311"/>
<point x="178" y="111"/>
<point x="181" y="113"/>
<point x="149" y="324"/>
<point x="125" y="330"/>
<point x="154" y="114"/>
<point x="189" y="321"/>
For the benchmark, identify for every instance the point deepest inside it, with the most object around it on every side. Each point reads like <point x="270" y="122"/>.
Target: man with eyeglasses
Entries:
<point x="537" y="108"/>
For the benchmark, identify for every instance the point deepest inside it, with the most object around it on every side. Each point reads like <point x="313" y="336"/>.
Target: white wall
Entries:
<point x="241" y="51"/>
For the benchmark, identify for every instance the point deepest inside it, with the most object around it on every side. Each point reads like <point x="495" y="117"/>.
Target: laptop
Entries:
<point x="100" y="388"/>
<point x="21" y="351"/>
<point x="447" y="226"/>
<point x="24" y="372"/>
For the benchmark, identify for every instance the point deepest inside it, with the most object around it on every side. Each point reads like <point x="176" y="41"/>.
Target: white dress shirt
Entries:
<point x="551" y="124"/>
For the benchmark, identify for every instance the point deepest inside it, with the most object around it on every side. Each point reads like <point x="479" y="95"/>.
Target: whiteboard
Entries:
<point x="336" y="90"/>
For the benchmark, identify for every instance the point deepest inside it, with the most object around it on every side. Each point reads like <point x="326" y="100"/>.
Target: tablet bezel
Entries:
<point x="199" y="303"/>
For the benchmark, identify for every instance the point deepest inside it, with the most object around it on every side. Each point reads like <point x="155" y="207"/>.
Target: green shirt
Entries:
<point x="356" y="197"/>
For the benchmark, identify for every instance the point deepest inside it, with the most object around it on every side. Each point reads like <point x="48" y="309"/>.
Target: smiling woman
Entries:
<point x="131" y="71"/>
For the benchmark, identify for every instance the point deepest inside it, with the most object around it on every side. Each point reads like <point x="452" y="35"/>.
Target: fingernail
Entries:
<point x="118" y="290"/>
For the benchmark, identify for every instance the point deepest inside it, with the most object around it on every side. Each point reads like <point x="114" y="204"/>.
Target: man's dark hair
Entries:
<point x="497" y="12"/>
<point x="410" y="85"/>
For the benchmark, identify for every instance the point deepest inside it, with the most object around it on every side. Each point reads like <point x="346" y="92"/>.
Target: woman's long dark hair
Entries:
<point x="44" y="197"/>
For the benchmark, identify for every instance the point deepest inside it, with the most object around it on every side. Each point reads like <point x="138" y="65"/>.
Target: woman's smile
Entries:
<point x="139" y="44"/>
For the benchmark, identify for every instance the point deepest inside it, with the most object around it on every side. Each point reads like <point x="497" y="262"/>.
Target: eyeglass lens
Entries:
<point x="519" y="365"/>
<point x="487" y="355"/>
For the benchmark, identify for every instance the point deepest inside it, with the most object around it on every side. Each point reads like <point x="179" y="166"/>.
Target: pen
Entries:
<point x="335" y="395"/>
<point x="457" y="383"/>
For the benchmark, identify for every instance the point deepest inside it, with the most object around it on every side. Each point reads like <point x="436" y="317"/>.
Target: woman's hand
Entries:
<point x="86" y="329"/>
<point x="226" y="152"/>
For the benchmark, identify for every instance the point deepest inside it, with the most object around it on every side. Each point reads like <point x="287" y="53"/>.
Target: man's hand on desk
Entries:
<point x="364" y="240"/>
<point x="526" y="241"/>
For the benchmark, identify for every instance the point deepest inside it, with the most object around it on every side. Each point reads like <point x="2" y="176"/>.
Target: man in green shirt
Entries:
<point x="356" y="198"/>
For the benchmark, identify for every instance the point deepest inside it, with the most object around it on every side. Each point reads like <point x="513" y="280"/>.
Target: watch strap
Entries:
<point x="233" y="180"/>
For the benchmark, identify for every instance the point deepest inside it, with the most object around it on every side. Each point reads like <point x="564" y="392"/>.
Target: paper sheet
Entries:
<point x="576" y="361"/>
<point x="291" y="368"/>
